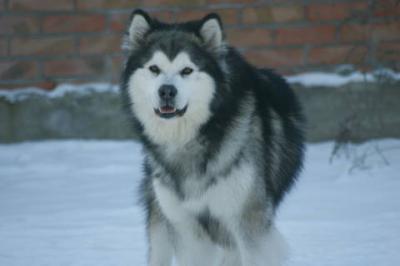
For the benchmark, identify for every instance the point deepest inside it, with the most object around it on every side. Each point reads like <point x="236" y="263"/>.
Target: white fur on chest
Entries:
<point x="224" y="199"/>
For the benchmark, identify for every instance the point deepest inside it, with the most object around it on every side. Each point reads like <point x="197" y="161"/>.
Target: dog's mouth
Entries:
<point x="168" y="111"/>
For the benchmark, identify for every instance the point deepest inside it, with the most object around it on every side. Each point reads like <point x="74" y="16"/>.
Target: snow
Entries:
<point x="325" y="79"/>
<point x="309" y="79"/>
<point x="61" y="90"/>
<point x="75" y="203"/>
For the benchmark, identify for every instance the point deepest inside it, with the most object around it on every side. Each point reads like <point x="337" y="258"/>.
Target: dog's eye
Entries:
<point x="154" y="69"/>
<point x="186" y="71"/>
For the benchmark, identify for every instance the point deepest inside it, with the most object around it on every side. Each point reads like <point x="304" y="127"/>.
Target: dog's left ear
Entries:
<point x="211" y="31"/>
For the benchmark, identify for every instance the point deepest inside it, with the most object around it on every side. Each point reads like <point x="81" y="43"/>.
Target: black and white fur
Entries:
<point x="223" y="143"/>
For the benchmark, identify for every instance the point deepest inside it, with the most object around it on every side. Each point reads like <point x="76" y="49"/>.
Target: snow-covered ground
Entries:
<point x="74" y="203"/>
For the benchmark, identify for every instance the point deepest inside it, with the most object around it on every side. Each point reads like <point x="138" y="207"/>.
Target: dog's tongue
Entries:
<point x="167" y="109"/>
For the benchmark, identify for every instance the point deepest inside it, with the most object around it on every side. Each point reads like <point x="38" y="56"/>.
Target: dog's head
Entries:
<point x="172" y="74"/>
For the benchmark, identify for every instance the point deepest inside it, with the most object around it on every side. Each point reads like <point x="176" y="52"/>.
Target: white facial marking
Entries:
<point x="194" y="91"/>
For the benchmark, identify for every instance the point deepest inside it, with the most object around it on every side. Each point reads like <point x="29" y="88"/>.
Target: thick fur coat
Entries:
<point x="222" y="139"/>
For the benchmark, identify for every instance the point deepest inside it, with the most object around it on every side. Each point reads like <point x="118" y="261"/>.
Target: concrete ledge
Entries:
<point x="356" y="111"/>
<point x="96" y="115"/>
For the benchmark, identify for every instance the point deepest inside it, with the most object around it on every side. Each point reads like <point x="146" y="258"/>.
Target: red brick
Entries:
<point x="276" y="57"/>
<point x="377" y="32"/>
<point x="119" y="22"/>
<point x="306" y="35"/>
<point x="386" y="31"/>
<point x="257" y="15"/>
<point x="334" y="11"/>
<point x="249" y="37"/>
<point x="117" y="61"/>
<point x="3" y="47"/>
<point x="387" y="8"/>
<point x="162" y="15"/>
<point x="228" y="16"/>
<point x="116" y="67"/>
<point x="231" y="1"/>
<point x="157" y="3"/>
<point x="48" y="85"/>
<point x="252" y="15"/>
<point x="389" y="51"/>
<point x="18" y="70"/>
<point x="107" y="4"/>
<point x="41" y="5"/>
<point x="12" y="86"/>
<point x="186" y="15"/>
<point x="74" y="67"/>
<point x="42" y="46"/>
<point x="100" y="44"/>
<point x="18" y="25"/>
<point x="342" y="54"/>
<point x="45" y="85"/>
<point x="287" y="14"/>
<point x="354" y="32"/>
<point x="74" y="23"/>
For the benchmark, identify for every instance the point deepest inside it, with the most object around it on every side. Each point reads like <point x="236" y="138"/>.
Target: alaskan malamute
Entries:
<point x="222" y="139"/>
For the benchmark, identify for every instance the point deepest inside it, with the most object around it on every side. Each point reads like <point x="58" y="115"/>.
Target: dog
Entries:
<point x="223" y="143"/>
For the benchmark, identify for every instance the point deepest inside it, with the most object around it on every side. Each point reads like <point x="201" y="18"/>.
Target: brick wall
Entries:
<point x="46" y="42"/>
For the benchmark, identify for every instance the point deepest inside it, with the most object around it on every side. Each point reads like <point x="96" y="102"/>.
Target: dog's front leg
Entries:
<point x="261" y="246"/>
<point x="230" y="257"/>
<point x="160" y="244"/>
<point x="193" y="248"/>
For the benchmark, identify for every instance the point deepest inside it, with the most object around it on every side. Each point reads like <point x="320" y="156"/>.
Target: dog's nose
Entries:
<point x="167" y="92"/>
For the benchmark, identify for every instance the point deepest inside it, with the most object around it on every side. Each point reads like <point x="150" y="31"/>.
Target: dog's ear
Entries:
<point x="211" y="31"/>
<point x="140" y="24"/>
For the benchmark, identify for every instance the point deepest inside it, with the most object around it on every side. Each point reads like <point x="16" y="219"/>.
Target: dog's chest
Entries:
<point x="223" y="197"/>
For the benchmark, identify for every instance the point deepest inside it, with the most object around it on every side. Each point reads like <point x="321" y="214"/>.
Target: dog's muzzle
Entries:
<point x="167" y="107"/>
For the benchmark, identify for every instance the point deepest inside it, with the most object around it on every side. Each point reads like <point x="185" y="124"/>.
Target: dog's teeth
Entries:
<point x="167" y="110"/>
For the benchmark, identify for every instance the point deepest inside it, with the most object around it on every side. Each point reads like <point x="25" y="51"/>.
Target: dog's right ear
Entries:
<point x="140" y="24"/>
